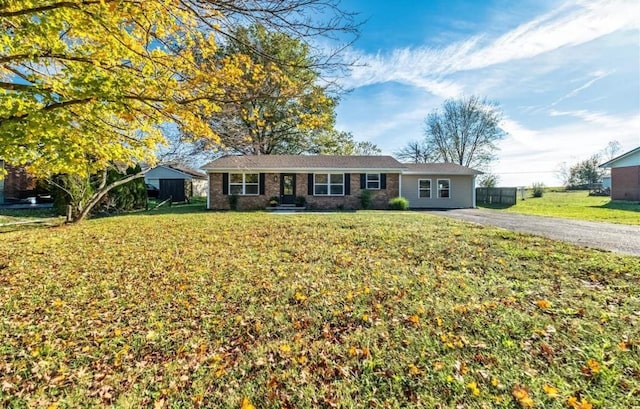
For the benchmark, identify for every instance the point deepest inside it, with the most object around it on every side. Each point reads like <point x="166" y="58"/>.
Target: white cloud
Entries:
<point x="598" y="75"/>
<point x="529" y="155"/>
<point x="570" y="24"/>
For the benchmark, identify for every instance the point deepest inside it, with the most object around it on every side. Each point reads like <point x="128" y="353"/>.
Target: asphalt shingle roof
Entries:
<point x="440" y="168"/>
<point x="282" y="162"/>
<point x="314" y="162"/>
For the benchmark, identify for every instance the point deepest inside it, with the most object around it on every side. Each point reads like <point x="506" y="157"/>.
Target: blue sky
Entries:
<point x="566" y="75"/>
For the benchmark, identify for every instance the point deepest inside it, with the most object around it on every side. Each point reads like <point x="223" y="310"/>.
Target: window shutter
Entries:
<point x="262" y="183"/>
<point x="225" y="183"/>
<point x="363" y="181"/>
<point x="383" y="181"/>
<point x="310" y="184"/>
<point x="347" y="184"/>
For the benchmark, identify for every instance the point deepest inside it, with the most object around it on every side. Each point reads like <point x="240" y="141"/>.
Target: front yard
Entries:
<point x="576" y="204"/>
<point x="367" y="309"/>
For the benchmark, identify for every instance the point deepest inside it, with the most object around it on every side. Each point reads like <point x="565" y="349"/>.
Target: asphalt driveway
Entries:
<point x="619" y="238"/>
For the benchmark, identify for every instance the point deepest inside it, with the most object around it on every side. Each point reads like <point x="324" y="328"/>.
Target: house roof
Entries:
<point x="333" y="162"/>
<point x="304" y="162"/>
<point x="189" y="171"/>
<point x="626" y="157"/>
<point x="439" y="169"/>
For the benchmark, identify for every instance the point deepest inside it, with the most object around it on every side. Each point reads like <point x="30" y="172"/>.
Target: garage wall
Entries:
<point x="460" y="194"/>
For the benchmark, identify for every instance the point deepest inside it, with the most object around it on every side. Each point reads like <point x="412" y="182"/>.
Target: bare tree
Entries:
<point x="611" y="150"/>
<point x="417" y="152"/>
<point x="465" y="131"/>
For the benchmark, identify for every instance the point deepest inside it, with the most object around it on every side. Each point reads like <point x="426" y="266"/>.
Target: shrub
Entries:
<point x="274" y="201"/>
<point x="398" y="203"/>
<point x="538" y="189"/>
<point x="301" y="201"/>
<point x="233" y="202"/>
<point x="365" y="199"/>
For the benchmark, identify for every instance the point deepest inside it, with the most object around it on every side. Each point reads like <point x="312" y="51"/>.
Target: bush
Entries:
<point x="365" y="199"/>
<point x="233" y="202"/>
<point x="398" y="203"/>
<point x="301" y="201"/>
<point x="274" y="201"/>
<point x="538" y="189"/>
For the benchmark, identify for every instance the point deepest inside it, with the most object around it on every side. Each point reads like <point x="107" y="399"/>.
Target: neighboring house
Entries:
<point x="329" y="182"/>
<point x="179" y="182"/>
<point x="625" y="175"/>
<point x="17" y="184"/>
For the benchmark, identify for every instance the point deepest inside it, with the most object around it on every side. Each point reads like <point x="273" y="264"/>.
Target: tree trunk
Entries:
<point x="83" y="212"/>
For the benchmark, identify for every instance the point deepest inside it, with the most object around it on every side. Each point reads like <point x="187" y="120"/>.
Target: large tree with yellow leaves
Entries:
<point x="86" y="84"/>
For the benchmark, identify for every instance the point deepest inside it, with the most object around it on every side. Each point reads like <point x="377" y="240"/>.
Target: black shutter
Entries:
<point x="262" y="183"/>
<point x="347" y="184"/>
<point x="310" y="184"/>
<point x="225" y="183"/>
<point x="383" y="181"/>
<point x="363" y="181"/>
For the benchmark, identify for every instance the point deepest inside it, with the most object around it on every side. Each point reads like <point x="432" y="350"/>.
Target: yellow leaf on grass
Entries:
<point x="593" y="365"/>
<point x="522" y="396"/>
<point x="246" y="404"/>
<point x="543" y="304"/>
<point x="582" y="404"/>
<point x="285" y="349"/>
<point x="550" y="390"/>
<point x="473" y="387"/>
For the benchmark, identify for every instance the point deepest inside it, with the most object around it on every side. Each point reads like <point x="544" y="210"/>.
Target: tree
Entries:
<point x="488" y="180"/>
<point x="86" y="84"/>
<point x="611" y="150"/>
<point x="339" y="143"/>
<point x="585" y="173"/>
<point x="465" y="131"/>
<point x="279" y="104"/>
<point x="417" y="152"/>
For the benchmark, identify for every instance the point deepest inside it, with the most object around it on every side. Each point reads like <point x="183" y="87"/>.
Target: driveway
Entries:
<point x="619" y="238"/>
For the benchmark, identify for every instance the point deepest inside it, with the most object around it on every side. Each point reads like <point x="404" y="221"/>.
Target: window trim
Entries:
<point x="379" y="181"/>
<point x="429" y="190"/>
<point x="244" y="184"/>
<point x="329" y="184"/>
<point x="448" y="189"/>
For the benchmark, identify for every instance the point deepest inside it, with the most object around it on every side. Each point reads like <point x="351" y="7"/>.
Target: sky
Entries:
<point x="566" y="75"/>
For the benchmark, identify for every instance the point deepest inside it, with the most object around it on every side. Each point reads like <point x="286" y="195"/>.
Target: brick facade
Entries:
<point x="17" y="183"/>
<point x="380" y="198"/>
<point x="625" y="183"/>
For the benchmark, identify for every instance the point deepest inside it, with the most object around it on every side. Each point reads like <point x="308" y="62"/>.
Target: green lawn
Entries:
<point x="366" y="309"/>
<point x="577" y="204"/>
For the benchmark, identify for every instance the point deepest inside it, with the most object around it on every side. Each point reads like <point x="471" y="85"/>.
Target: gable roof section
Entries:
<point x="439" y="169"/>
<point x="189" y="171"/>
<point x="631" y="158"/>
<point x="177" y="172"/>
<point x="304" y="163"/>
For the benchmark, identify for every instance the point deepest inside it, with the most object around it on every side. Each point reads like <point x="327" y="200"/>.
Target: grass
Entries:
<point x="21" y="219"/>
<point x="576" y="204"/>
<point x="366" y="309"/>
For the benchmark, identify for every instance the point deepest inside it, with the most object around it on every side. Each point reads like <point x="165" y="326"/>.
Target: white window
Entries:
<point x="424" y="188"/>
<point x="328" y="184"/>
<point x="443" y="188"/>
<point x="373" y="181"/>
<point x="244" y="183"/>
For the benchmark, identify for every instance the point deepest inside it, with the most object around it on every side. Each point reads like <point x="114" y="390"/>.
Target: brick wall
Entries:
<point x="625" y="183"/>
<point x="380" y="198"/>
<point x="18" y="183"/>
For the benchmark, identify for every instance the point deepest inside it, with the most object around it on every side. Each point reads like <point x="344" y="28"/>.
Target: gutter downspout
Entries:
<point x="209" y="191"/>
<point x="400" y="184"/>
<point x="473" y="192"/>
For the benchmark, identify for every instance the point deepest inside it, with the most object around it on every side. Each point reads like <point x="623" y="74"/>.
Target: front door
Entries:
<point x="287" y="188"/>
